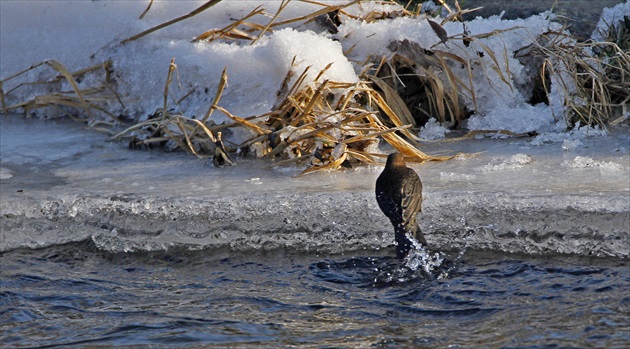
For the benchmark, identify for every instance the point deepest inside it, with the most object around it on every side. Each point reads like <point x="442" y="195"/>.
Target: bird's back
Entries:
<point x="399" y="196"/>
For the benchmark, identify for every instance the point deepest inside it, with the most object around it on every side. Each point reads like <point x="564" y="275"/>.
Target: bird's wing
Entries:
<point x="411" y="196"/>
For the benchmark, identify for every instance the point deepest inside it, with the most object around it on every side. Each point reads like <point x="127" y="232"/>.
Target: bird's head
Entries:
<point x="395" y="160"/>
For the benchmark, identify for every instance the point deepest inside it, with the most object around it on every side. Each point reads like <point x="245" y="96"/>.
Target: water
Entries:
<point x="78" y="295"/>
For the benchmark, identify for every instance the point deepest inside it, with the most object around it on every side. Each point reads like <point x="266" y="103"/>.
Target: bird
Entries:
<point x="399" y="196"/>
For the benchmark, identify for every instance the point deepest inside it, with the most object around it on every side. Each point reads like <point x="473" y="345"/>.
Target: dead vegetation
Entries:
<point x="328" y="125"/>
<point x="593" y="77"/>
<point x="602" y="82"/>
<point x="63" y="94"/>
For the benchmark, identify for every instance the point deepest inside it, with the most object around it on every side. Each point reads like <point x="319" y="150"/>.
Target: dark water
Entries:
<point x="75" y="295"/>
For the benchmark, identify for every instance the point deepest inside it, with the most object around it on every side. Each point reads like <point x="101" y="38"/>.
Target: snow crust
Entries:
<point x="513" y="162"/>
<point x="588" y="162"/>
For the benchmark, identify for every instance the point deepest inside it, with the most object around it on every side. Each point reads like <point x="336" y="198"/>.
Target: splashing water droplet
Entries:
<point x="421" y="257"/>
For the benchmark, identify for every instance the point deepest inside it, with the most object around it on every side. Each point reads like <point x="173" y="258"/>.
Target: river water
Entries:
<point x="79" y="295"/>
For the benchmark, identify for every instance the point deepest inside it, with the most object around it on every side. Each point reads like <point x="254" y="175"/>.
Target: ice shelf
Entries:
<point x="62" y="182"/>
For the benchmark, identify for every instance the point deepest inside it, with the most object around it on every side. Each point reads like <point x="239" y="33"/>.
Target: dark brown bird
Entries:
<point x="399" y="195"/>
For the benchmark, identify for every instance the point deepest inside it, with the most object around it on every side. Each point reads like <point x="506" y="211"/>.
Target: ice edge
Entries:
<point x="323" y="222"/>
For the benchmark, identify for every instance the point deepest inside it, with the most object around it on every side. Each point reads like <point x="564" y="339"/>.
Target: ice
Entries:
<point x="569" y="145"/>
<point x="5" y="173"/>
<point x="69" y="31"/>
<point x="126" y="200"/>
<point x="513" y="162"/>
<point x="459" y="177"/>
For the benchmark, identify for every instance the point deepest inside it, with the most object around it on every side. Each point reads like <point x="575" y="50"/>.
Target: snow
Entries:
<point x="570" y="137"/>
<point x="433" y="130"/>
<point x="612" y="16"/>
<point x="519" y="119"/>
<point x="94" y="29"/>
<point x="81" y="33"/>
<point x="255" y="73"/>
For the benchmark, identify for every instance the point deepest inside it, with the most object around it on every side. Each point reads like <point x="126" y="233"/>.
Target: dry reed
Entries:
<point x="87" y="100"/>
<point x="328" y="125"/>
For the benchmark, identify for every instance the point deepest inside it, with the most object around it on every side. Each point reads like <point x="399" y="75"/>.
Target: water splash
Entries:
<point x="432" y="264"/>
<point x="421" y="258"/>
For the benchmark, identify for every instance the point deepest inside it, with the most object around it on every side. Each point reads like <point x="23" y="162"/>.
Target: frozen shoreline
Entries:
<point x="62" y="183"/>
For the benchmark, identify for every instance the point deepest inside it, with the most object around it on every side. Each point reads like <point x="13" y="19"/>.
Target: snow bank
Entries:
<point x="81" y="33"/>
<point x="255" y="73"/>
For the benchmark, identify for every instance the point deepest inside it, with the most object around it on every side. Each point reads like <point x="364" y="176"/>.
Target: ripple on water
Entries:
<point x="77" y="295"/>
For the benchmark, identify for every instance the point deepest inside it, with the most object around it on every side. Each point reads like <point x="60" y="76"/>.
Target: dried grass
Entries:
<point x="304" y="127"/>
<point x="595" y="88"/>
<point x="245" y="29"/>
<point x="193" y="13"/>
<point x="175" y="131"/>
<point x="328" y="125"/>
<point x="87" y="100"/>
